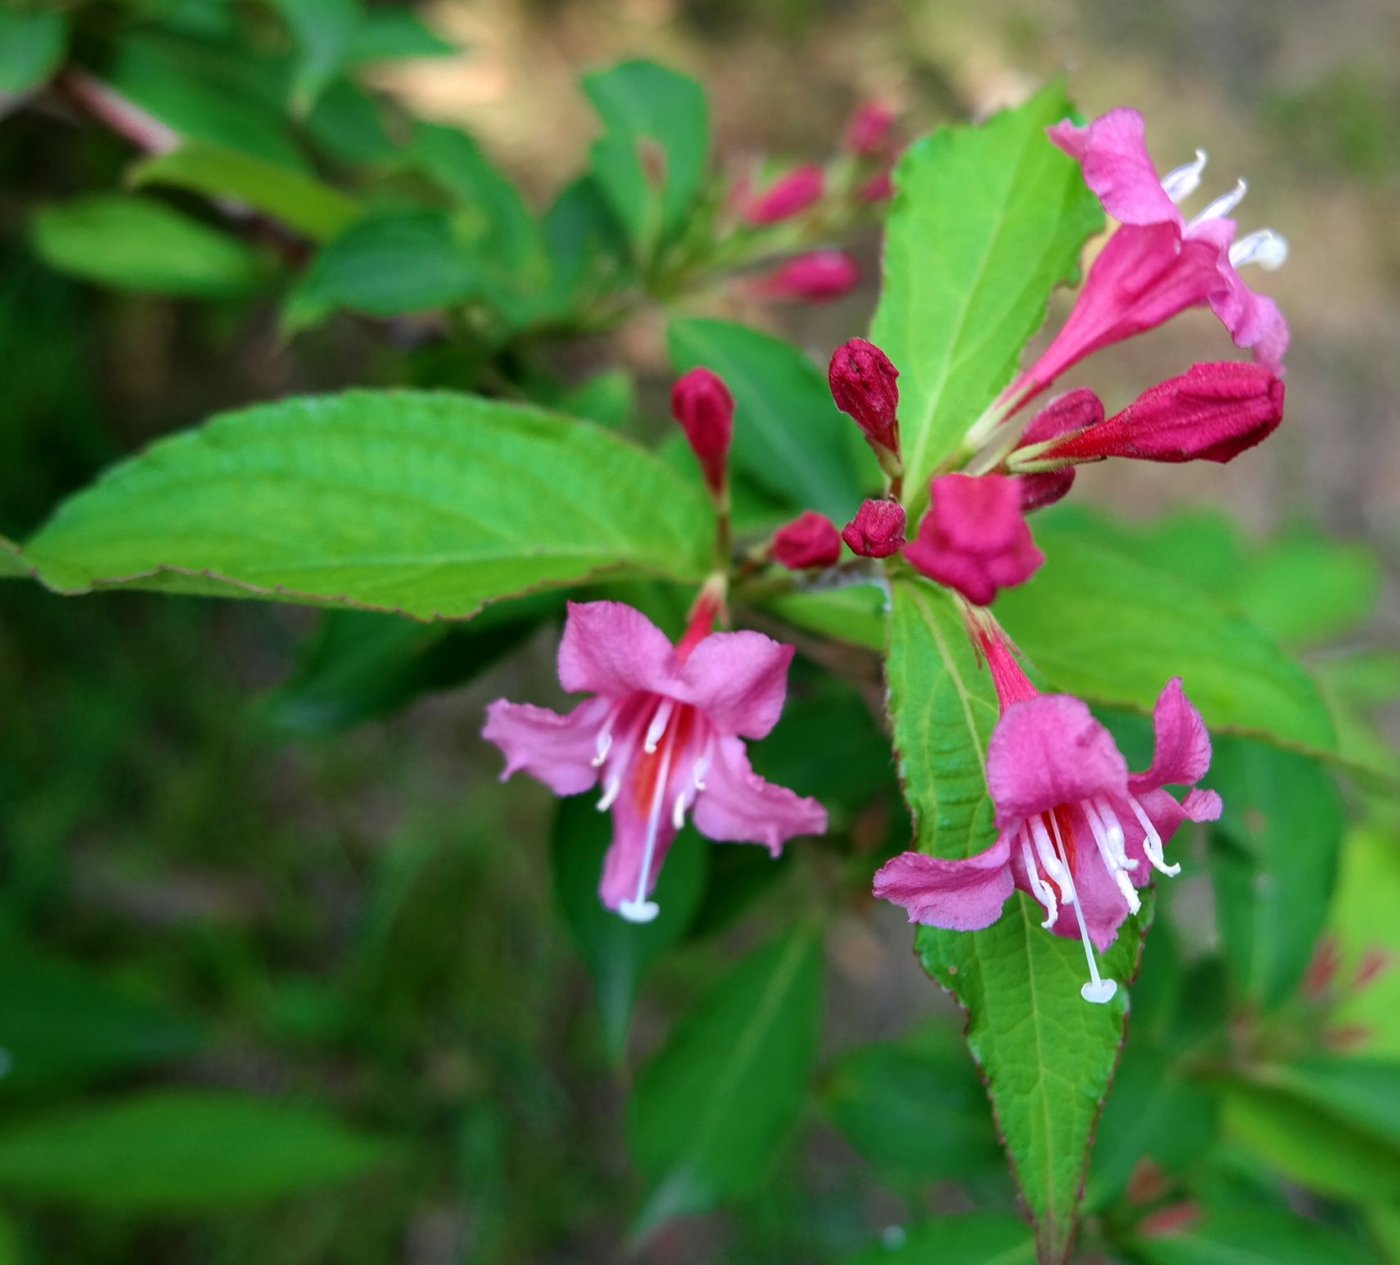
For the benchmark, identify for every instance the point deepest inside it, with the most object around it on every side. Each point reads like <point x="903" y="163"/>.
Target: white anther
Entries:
<point x="604" y="746"/>
<point x="1116" y="841"/>
<point x="1181" y="182"/>
<point x="610" y="791"/>
<point x="1152" y="841"/>
<point x="1222" y="206"/>
<point x="1265" y="247"/>
<point x="697" y="778"/>
<point x="1039" y="888"/>
<point x="639" y="910"/>
<point x="678" y="811"/>
<point x="657" y="728"/>
<point x="1050" y="861"/>
<point x="1108" y="835"/>
<point x="1097" y="990"/>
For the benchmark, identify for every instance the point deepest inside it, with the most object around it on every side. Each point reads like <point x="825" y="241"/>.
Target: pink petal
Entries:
<point x="557" y="750"/>
<point x="1102" y="904"/>
<point x="1050" y="751"/>
<point x="738" y="806"/>
<point x="1117" y="167"/>
<point x="612" y="650"/>
<point x="955" y="895"/>
<point x="622" y="867"/>
<point x="739" y="680"/>
<point x="1182" y="753"/>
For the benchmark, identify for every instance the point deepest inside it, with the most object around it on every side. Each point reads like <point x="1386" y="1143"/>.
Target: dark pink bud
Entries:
<point x="879" y="188"/>
<point x="870" y="130"/>
<point x="1065" y="414"/>
<point x="815" y="278"/>
<point x="790" y="195"/>
<point x="810" y="540"/>
<point x="701" y="403"/>
<point x="864" y="384"/>
<point x="1045" y="488"/>
<point x="973" y="537"/>
<point x="877" y="530"/>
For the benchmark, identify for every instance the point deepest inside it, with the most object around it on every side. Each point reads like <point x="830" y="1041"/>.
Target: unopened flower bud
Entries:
<point x="877" y="530"/>
<point x="810" y="540"/>
<point x="790" y="195"/>
<point x="869" y="132"/>
<point x="816" y="278"/>
<point x="701" y="403"/>
<point x="1044" y="488"/>
<point x="879" y="188"/>
<point x="864" y="385"/>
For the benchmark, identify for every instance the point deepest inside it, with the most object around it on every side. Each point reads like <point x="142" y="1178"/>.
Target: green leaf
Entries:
<point x="650" y="161"/>
<point x="1098" y="622"/>
<point x="12" y="565"/>
<point x="616" y="952"/>
<point x="428" y="504"/>
<point x="299" y="201"/>
<point x="855" y="615"/>
<point x="63" y="1025"/>
<point x="1363" y="1094"/>
<point x="986" y="221"/>
<point x="1047" y="1055"/>
<point x="1255" y="1237"/>
<point x="789" y="437"/>
<point x="1304" y="589"/>
<point x="324" y="31"/>
<point x="347" y="126"/>
<point x="587" y="252"/>
<point x="977" y="1238"/>
<point x="181" y="1150"/>
<point x="387" y="265"/>
<point x="711" y="1110"/>
<point x="1274" y="863"/>
<point x="137" y="244"/>
<point x="31" y="49"/>
<point x="1362" y="926"/>
<point x="385" y="34"/>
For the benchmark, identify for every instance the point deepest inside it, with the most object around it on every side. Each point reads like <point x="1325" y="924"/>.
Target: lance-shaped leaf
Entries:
<point x="324" y="31"/>
<point x="31" y="48"/>
<point x="986" y="222"/>
<point x="427" y="504"/>
<point x="1046" y="1054"/>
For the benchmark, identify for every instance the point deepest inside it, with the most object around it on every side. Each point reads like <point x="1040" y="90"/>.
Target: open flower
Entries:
<point x="663" y="733"/>
<point x="1076" y="830"/>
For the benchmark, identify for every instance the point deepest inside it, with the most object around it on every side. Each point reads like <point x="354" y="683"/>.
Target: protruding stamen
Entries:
<point x="1108" y="835"/>
<point x="604" y="746"/>
<point x="1097" y="990"/>
<point x="1264" y="247"/>
<point x="1040" y="889"/>
<point x="1152" y="841"/>
<point x="678" y="811"/>
<point x="1056" y="870"/>
<point x="657" y="728"/>
<point x="610" y="792"/>
<point x="1181" y="182"/>
<point x="1117" y="841"/>
<point x="1222" y="206"/>
<point x="702" y="766"/>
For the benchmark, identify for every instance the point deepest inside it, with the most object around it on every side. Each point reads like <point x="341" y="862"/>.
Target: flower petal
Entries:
<point x="739" y="680"/>
<point x="610" y="649"/>
<point x="738" y="806"/>
<point x="1182" y="753"/>
<point x="558" y="750"/>
<point x="955" y="895"/>
<point x="1113" y="153"/>
<point x="622" y="867"/>
<point x="1103" y="905"/>
<point x="1049" y="751"/>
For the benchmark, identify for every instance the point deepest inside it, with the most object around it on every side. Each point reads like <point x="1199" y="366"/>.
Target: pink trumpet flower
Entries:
<point x="663" y="734"/>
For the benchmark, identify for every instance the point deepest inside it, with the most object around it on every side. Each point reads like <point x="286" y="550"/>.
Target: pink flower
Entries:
<point x="701" y="403"/>
<point x="870" y="131"/>
<point x="810" y="540"/>
<point x="1213" y="412"/>
<point x="663" y="734"/>
<point x="973" y="537"/>
<point x="818" y="277"/>
<point x="788" y="196"/>
<point x="1158" y="263"/>
<point x="864" y="383"/>
<point x="1076" y="830"/>
<point x="877" y="530"/>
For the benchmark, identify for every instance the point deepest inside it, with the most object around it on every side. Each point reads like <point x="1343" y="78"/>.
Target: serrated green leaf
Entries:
<point x="711" y="1110"/>
<point x="31" y="48"/>
<point x="789" y="436"/>
<point x="1274" y="861"/>
<point x="985" y="222"/>
<point x="1098" y="622"/>
<point x="1255" y="1237"/>
<point x="619" y="953"/>
<point x="978" y="1238"/>
<point x="428" y="504"/>
<point x="181" y="1150"/>
<point x="324" y="31"/>
<point x="138" y="244"/>
<point x="299" y="201"/>
<point x="650" y="161"/>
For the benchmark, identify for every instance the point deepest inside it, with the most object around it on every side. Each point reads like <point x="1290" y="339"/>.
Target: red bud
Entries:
<point x="864" y="385"/>
<point x="877" y="530"/>
<point x="701" y="403"/>
<point x="810" y="540"/>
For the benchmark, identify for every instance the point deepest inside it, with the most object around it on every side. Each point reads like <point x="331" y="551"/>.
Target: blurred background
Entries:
<point x="210" y="883"/>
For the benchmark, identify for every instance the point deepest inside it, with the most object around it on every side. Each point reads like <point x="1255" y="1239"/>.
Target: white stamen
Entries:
<point x="610" y="792"/>
<point x="604" y="746"/>
<point x="1040" y="889"/>
<point x="1097" y="990"/>
<point x="1116" y="840"/>
<point x="1181" y="182"/>
<point x="1109" y="853"/>
<point x="702" y="766"/>
<point x="658" y="725"/>
<point x="1055" y="870"/>
<point x="1152" y="841"/>
<point x="639" y="909"/>
<point x="1265" y="247"/>
<point x="678" y="811"/>
<point x="1222" y="206"/>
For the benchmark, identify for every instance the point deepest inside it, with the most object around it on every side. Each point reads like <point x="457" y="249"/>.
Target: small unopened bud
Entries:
<point x="816" y="278"/>
<point x="1045" y="488"/>
<point x="879" y="188"/>
<point x="701" y="403"/>
<point x="877" y="530"/>
<point x="870" y="130"/>
<point x="790" y="195"/>
<point x="864" y="384"/>
<point x="810" y="540"/>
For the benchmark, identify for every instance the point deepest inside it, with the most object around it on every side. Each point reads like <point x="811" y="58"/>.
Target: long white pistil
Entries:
<point x="1097" y="990"/>
<point x="639" y="909"/>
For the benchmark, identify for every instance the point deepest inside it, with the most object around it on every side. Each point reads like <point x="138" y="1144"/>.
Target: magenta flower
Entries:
<point x="865" y="385"/>
<point x="663" y="733"/>
<point x="974" y="538"/>
<point x="789" y="195"/>
<point x="877" y="530"/>
<point x="1158" y="263"/>
<point x="1076" y="830"/>
<point x="818" y="277"/>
